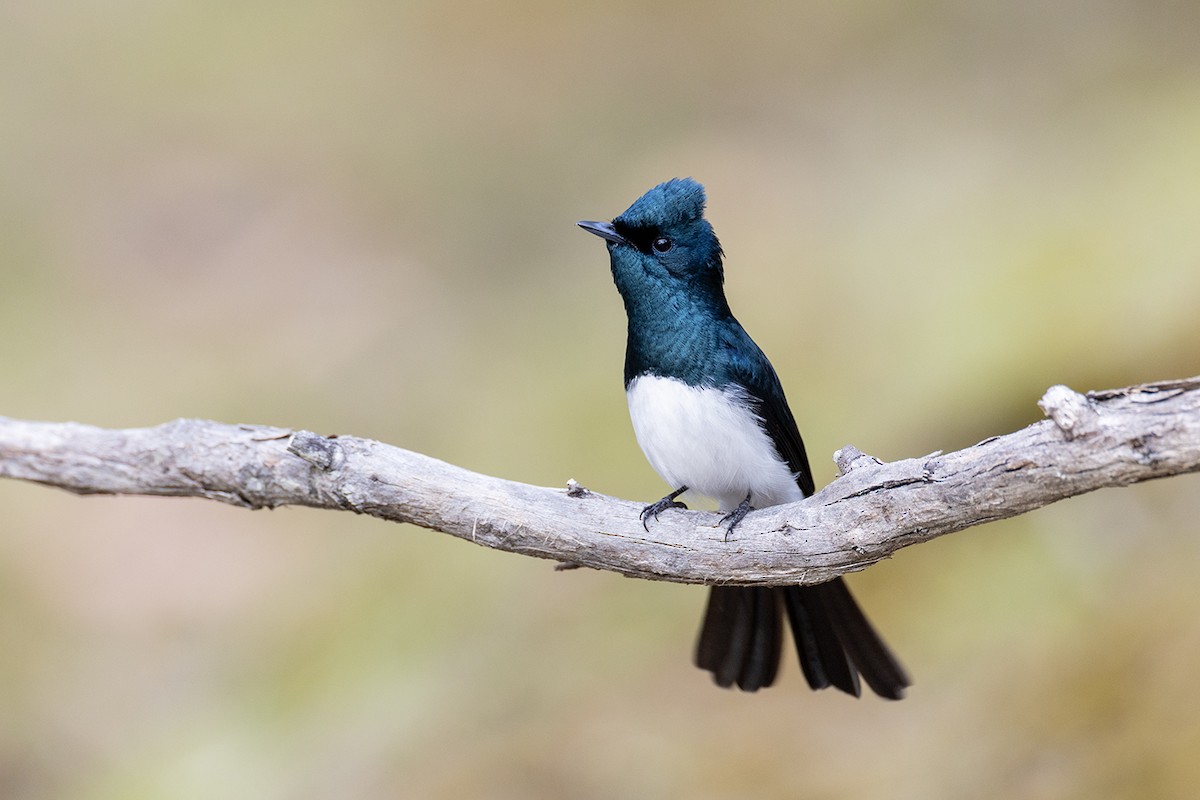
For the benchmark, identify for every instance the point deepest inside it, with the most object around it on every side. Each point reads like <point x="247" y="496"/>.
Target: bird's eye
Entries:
<point x="662" y="244"/>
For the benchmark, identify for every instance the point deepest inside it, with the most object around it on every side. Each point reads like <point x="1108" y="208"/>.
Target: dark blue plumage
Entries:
<point x="710" y="414"/>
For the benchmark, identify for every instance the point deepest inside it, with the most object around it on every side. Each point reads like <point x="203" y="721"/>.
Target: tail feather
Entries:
<point x="823" y="656"/>
<point x="874" y="659"/>
<point x="741" y="639"/>
<point x="725" y="635"/>
<point x="762" y="658"/>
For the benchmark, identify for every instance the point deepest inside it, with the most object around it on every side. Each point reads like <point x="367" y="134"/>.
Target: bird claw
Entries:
<point x="653" y="509"/>
<point x="735" y="517"/>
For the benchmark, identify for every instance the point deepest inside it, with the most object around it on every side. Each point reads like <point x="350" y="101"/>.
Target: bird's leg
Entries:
<point x="735" y="517"/>
<point x="662" y="505"/>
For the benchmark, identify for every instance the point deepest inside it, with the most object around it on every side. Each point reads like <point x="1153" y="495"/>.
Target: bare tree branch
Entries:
<point x="1109" y="438"/>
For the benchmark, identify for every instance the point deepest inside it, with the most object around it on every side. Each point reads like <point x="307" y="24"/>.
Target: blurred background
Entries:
<point x="358" y="218"/>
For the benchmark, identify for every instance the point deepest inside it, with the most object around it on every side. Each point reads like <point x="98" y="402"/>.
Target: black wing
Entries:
<point x="749" y="367"/>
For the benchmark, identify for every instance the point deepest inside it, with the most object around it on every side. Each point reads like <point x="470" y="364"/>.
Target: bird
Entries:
<point x="710" y="415"/>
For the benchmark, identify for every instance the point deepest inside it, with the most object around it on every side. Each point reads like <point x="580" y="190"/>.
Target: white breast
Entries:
<point x="708" y="440"/>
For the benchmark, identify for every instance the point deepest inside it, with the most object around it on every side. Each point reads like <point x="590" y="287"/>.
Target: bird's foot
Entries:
<point x="669" y="501"/>
<point x="735" y="517"/>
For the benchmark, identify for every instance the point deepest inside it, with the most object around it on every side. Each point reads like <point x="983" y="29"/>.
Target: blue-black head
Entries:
<point x="666" y="262"/>
<point x="662" y="244"/>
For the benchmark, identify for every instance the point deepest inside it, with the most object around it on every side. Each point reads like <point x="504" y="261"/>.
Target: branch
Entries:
<point x="1109" y="438"/>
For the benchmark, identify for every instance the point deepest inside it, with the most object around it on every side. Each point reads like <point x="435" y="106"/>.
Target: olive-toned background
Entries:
<point x="359" y="218"/>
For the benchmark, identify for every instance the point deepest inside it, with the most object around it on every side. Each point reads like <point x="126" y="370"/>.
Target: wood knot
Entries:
<point x="1069" y="410"/>
<point x="322" y="452"/>
<point x="851" y="458"/>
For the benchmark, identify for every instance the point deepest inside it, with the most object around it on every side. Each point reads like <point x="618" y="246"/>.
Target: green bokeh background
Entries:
<point x="359" y="218"/>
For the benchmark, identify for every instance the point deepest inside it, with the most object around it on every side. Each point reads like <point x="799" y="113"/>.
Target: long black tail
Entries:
<point x="742" y="636"/>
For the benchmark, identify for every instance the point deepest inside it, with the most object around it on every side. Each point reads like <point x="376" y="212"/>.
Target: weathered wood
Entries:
<point x="1104" y="439"/>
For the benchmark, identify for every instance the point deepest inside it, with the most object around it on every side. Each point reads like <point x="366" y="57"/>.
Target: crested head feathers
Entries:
<point x="679" y="200"/>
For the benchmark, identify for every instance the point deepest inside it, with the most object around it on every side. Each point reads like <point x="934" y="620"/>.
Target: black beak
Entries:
<point x="604" y="230"/>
